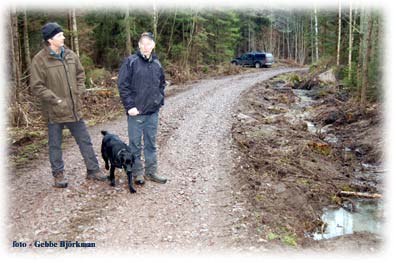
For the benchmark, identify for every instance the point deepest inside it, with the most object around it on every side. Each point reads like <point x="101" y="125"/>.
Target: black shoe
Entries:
<point x="156" y="178"/>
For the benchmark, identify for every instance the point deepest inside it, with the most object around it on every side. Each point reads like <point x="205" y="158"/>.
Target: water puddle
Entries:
<point x="303" y="105"/>
<point x="367" y="218"/>
<point x="303" y="95"/>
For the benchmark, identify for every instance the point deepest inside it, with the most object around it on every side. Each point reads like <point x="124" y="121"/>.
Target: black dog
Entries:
<point x="119" y="155"/>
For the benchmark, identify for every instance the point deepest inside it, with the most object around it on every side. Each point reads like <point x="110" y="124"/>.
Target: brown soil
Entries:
<point x="288" y="173"/>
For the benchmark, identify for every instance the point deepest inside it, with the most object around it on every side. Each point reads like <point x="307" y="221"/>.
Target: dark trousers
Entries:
<point x="80" y="133"/>
<point x="143" y="126"/>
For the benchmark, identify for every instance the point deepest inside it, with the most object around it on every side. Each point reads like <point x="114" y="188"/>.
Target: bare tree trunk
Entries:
<point x="296" y="40"/>
<point x="316" y="36"/>
<point x="26" y="41"/>
<point x="155" y="18"/>
<point x="12" y="58"/>
<point x="366" y="64"/>
<point x="312" y="42"/>
<point x="304" y="45"/>
<point x="127" y="30"/>
<point x="188" y="47"/>
<point x="249" y="36"/>
<point x="75" y="32"/>
<point x="284" y="46"/>
<point x="288" y="38"/>
<point x="26" y="44"/>
<point x="350" y="41"/>
<point x="301" y="42"/>
<point x="377" y="41"/>
<point x="253" y="40"/>
<point x="16" y="68"/>
<point x="339" y="33"/>
<point x="271" y="31"/>
<point x="361" y="51"/>
<point x="278" y="42"/>
<point x="172" y="33"/>
<point x="70" y="28"/>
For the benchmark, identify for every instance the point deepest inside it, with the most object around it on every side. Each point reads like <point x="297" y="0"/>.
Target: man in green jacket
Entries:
<point x="57" y="78"/>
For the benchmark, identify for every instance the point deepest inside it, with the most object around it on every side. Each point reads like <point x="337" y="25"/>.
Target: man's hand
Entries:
<point x="133" y="111"/>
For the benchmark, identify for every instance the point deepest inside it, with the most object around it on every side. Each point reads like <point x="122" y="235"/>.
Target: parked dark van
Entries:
<point x="256" y="59"/>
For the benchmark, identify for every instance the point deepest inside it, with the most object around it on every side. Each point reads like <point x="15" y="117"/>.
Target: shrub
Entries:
<point x="97" y="76"/>
<point x="87" y="62"/>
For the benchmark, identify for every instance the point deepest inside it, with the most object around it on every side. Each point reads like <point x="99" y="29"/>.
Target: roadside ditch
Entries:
<point x="310" y="163"/>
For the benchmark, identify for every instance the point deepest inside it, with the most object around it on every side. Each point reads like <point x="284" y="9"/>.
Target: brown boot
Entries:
<point x="60" y="180"/>
<point x="96" y="175"/>
<point x="156" y="178"/>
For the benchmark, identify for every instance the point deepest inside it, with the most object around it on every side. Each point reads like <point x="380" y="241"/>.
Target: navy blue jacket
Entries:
<point x="141" y="83"/>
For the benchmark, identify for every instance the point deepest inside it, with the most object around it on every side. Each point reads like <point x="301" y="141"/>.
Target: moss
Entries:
<point x="303" y="181"/>
<point x="322" y="93"/>
<point x="259" y="198"/>
<point x="290" y="239"/>
<point x="323" y="149"/>
<point x="294" y="78"/>
<point x="28" y="152"/>
<point x="91" y="122"/>
<point x="21" y="160"/>
<point x="34" y="133"/>
<point x="272" y="236"/>
<point x="346" y="188"/>
<point x="336" y="200"/>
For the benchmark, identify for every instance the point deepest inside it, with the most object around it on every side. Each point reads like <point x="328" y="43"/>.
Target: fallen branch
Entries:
<point x="360" y="194"/>
<point x="95" y="89"/>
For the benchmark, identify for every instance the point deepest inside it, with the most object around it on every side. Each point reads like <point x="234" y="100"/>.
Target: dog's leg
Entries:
<point x="104" y="155"/>
<point x="130" y="181"/>
<point x="112" y="175"/>
<point x="106" y="163"/>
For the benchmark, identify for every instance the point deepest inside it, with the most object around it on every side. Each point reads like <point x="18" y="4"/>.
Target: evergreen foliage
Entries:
<point x="197" y="41"/>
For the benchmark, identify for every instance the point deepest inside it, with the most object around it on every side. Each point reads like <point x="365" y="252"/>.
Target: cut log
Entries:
<point x="360" y="194"/>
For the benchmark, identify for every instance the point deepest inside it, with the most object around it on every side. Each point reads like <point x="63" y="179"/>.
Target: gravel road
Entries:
<point x="197" y="210"/>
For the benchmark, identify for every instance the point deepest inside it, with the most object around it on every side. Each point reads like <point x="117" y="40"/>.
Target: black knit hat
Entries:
<point x="50" y="30"/>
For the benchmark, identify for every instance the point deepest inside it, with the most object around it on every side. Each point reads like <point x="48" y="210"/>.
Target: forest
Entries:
<point x="196" y="43"/>
<point x="257" y="159"/>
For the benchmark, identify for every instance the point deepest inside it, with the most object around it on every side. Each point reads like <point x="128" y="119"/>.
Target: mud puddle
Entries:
<point x="368" y="217"/>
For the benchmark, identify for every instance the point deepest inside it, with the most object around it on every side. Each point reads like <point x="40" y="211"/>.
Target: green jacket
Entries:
<point x="53" y="79"/>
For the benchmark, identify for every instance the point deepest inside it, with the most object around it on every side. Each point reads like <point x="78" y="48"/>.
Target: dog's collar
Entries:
<point x="123" y="149"/>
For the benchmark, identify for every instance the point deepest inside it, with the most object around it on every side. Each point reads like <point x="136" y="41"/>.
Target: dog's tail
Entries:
<point x="104" y="132"/>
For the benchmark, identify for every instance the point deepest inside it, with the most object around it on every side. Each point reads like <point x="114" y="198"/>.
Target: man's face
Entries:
<point x="146" y="46"/>
<point x="57" y="40"/>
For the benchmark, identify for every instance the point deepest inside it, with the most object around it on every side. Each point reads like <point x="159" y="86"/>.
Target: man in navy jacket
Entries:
<point x="141" y="86"/>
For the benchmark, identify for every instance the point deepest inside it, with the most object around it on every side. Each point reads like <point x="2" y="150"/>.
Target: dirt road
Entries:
<point x="198" y="209"/>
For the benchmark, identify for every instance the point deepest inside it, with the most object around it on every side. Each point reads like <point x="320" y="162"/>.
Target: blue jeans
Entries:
<point x="143" y="126"/>
<point x="80" y="133"/>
